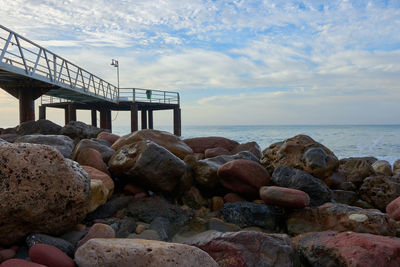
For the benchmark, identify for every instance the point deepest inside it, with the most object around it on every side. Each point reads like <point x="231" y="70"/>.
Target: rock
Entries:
<point x="20" y="263"/>
<point x="40" y="191"/>
<point x="109" y="137"/>
<point x="164" y="139"/>
<point x="62" y="143"/>
<point x="284" y="197"/>
<point x="246" y="248"/>
<point x="252" y="147"/>
<point x="73" y="237"/>
<point x="396" y="165"/>
<point x="379" y="191"/>
<point x="125" y="227"/>
<point x="193" y="198"/>
<point x="301" y="152"/>
<point x="347" y="249"/>
<point x="59" y="243"/>
<point x="216" y="151"/>
<point x="393" y="209"/>
<point x="148" y="234"/>
<point x="91" y="157"/>
<point x="98" y="194"/>
<point x="318" y="192"/>
<point x="79" y="130"/>
<point x="246" y="214"/>
<point x="101" y="146"/>
<point x="10" y="138"/>
<point x="149" y="165"/>
<point x="244" y="177"/>
<point x="110" y="208"/>
<point x="382" y="167"/>
<point x="2" y="141"/>
<point x="347" y="186"/>
<point x="340" y="218"/>
<point x="50" y="256"/>
<point x="95" y="174"/>
<point x="140" y="253"/>
<point x="38" y="127"/>
<point x="98" y="230"/>
<point x="6" y="254"/>
<point x="221" y="226"/>
<point x="363" y="204"/>
<point x="217" y="203"/>
<point x="232" y="197"/>
<point x="344" y="197"/>
<point x="200" y="144"/>
<point x="356" y="169"/>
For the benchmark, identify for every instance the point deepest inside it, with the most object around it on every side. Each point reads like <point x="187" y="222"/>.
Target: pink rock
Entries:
<point x="98" y="230"/>
<point x="200" y="144"/>
<point x="95" y="174"/>
<point x="216" y="151"/>
<point x="243" y="176"/>
<point x="50" y="256"/>
<point x="91" y="157"/>
<point x="112" y="138"/>
<point x="20" y="263"/>
<point x="285" y="197"/>
<point x="393" y="209"/>
<point x="6" y="254"/>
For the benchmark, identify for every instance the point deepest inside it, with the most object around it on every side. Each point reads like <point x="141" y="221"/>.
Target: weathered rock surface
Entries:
<point x="356" y="169"/>
<point x="244" y="177"/>
<point x="215" y="152"/>
<point x="109" y="137"/>
<point x="301" y="152"/>
<point x="396" y="165"/>
<point x="62" y="143"/>
<point x="91" y="157"/>
<point x="59" y="243"/>
<point x="98" y="194"/>
<point x="200" y="144"/>
<point x="340" y="218"/>
<point x="95" y="174"/>
<point x="164" y="139"/>
<point x="344" y="197"/>
<point x="149" y="165"/>
<point x="38" y="127"/>
<point x="379" y="191"/>
<point x="284" y="197"/>
<point x="318" y="192"/>
<point x="101" y="146"/>
<point x="347" y="249"/>
<point x="382" y="167"/>
<point x="40" y="191"/>
<point x="252" y="147"/>
<point x="140" y="253"/>
<point x="79" y="130"/>
<point x="393" y="209"/>
<point x="245" y="248"/>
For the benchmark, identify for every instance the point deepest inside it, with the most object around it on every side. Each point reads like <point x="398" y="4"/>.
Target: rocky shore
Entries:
<point x="81" y="196"/>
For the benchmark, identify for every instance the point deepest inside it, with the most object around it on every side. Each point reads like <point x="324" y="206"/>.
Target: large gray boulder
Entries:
<point x="62" y="143"/>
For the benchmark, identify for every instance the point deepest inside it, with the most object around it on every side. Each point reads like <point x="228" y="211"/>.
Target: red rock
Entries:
<point x="243" y="176"/>
<point x="216" y="151"/>
<point x="98" y="230"/>
<point x="285" y="197"/>
<point x="112" y="138"/>
<point x="91" y="157"/>
<point x="20" y="263"/>
<point x="393" y="209"/>
<point x="200" y="144"/>
<point x="348" y="249"/>
<point x="50" y="256"/>
<point x="232" y="197"/>
<point x="6" y="254"/>
<point x="95" y="174"/>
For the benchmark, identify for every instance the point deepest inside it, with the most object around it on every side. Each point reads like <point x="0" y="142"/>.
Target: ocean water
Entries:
<point x="380" y="141"/>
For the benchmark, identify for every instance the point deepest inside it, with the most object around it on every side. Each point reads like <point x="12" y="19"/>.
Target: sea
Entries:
<point x="379" y="141"/>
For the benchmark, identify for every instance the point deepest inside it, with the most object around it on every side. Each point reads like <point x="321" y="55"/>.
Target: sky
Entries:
<point x="235" y="62"/>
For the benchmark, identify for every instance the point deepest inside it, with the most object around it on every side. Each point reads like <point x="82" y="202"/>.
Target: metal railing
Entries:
<point x="149" y="96"/>
<point x="45" y="99"/>
<point x="24" y="57"/>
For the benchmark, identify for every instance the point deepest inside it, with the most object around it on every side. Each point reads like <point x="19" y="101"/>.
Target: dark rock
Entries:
<point x="62" y="143"/>
<point x="38" y="127"/>
<point x="356" y="169"/>
<point x="79" y="130"/>
<point x="74" y="236"/>
<point x="59" y="243"/>
<point x="10" y="138"/>
<point x="318" y="192"/>
<point x="379" y="191"/>
<point x="193" y="198"/>
<point x="200" y="144"/>
<point x="252" y="147"/>
<point x="109" y="208"/>
<point x="344" y="197"/>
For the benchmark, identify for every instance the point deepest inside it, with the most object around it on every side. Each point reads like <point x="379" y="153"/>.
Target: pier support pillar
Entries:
<point x="177" y="122"/>
<point x="150" y="111"/>
<point x="71" y="112"/>
<point x="93" y="112"/>
<point x="26" y="105"/>
<point x="105" y="119"/>
<point x="144" y="118"/>
<point x="134" y="118"/>
<point x="42" y="112"/>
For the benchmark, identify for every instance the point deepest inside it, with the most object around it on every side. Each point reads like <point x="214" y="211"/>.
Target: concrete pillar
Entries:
<point x="150" y="118"/>
<point x="134" y="117"/>
<point x="94" y="117"/>
<point x="177" y="122"/>
<point x="26" y="105"/>
<point x="105" y="118"/>
<point x="66" y="115"/>
<point x="71" y="112"/>
<point x="144" y="118"/>
<point x="42" y="112"/>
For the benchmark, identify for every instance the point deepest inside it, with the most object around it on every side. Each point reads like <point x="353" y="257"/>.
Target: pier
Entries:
<point x="29" y="71"/>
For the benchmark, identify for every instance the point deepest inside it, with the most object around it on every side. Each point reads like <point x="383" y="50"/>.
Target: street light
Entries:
<point x="115" y="64"/>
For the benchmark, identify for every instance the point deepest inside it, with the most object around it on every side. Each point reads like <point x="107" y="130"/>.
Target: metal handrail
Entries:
<point x="149" y="96"/>
<point x="22" y="56"/>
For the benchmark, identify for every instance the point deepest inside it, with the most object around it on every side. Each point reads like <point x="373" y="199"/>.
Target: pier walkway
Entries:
<point x="29" y="71"/>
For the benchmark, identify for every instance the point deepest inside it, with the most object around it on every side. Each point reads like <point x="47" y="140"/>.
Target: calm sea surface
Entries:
<point x="380" y="141"/>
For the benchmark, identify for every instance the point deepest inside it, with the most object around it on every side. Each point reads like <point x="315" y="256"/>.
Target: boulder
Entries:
<point x="344" y="197"/>
<point x="252" y="147"/>
<point x="95" y="174"/>
<point x="79" y="130"/>
<point x="393" y="209"/>
<point x="98" y="194"/>
<point x="59" y="243"/>
<point x="347" y="249"/>
<point x="50" y="256"/>
<point x="98" y="230"/>
<point x="356" y="169"/>
<point x="91" y="157"/>
<point x="245" y="214"/>
<point x="139" y="252"/>
<point x="10" y="138"/>
<point x="40" y="191"/>
<point x="382" y="167"/>
<point x="149" y="165"/>
<point x="340" y="218"/>
<point x="284" y="197"/>
<point x="318" y="192"/>
<point x="245" y="248"/>
<point x="396" y="165"/>
<point x="38" y="127"/>
<point x="100" y="145"/>
<point x="2" y="141"/>
<point x="62" y="143"/>
<point x="379" y="191"/>
<point x="164" y="139"/>
<point x="215" y="152"/>
<point x="301" y="152"/>
<point x="200" y="144"/>
<point x="109" y="137"/>
<point x="193" y="198"/>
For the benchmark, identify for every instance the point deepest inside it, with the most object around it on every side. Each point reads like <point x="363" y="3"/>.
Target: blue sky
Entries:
<point x="233" y="62"/>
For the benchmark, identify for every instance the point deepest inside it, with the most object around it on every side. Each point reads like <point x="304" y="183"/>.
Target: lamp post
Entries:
<point x="115" y="64"/>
